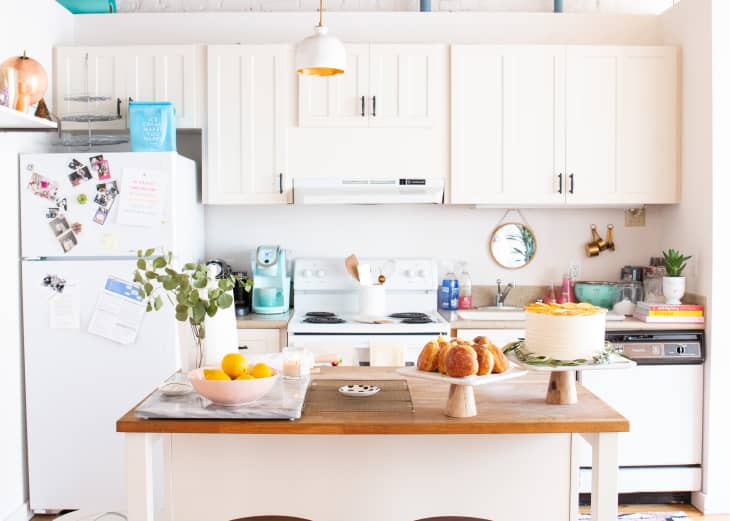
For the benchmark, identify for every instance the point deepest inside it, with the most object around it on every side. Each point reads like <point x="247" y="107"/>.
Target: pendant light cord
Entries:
<point x="320" y="13"/>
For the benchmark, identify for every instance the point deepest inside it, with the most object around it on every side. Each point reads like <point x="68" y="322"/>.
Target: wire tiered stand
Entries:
<point x="88" y="113"/>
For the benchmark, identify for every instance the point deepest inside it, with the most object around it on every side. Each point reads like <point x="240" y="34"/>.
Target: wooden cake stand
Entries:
<point x="561" y="387"/>
<point x="461" y="402"/>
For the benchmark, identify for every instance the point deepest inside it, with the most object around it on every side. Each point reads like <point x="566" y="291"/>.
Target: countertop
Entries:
<point x="257" y="321"/>
<point x="511" y="407"/>
<point x="629" y="324"/>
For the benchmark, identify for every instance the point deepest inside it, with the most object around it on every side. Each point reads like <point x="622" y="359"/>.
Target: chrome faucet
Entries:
<point x="502" y="294"/>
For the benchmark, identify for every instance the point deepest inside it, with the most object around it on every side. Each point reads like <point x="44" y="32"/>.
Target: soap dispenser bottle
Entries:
<point x="464" y="289"/>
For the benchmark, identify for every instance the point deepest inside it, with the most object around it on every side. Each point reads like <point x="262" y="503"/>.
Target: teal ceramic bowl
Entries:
<point x="602" y="294"/>
<point x="89" y="6"/>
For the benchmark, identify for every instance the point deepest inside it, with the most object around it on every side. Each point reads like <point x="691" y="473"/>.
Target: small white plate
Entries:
<point x="175" y="388"/>
<point x="359" y="390"/>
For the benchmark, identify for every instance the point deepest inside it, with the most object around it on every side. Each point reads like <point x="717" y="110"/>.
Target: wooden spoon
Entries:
<point x="351" y="265"/>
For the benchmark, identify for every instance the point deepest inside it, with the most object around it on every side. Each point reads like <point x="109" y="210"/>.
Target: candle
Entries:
<point x="293" y="368"/>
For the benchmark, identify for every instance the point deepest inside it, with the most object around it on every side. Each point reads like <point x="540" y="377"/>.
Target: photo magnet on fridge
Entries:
<point x="106" y="194"/>
<point x="101" y="215"/>
<point x="100" y="167"/>
<point x="75" y="164"/>
<point x="59" y="225"/>
<point x="62" y="203"/>
<point x="52" y="213"/>
<point x="68" y="241"/>
<point x="79" y="176"/>
<point x="42" y="186"/>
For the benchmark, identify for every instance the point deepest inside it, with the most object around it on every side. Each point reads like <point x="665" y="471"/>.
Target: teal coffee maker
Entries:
<point x="270" y="281"/>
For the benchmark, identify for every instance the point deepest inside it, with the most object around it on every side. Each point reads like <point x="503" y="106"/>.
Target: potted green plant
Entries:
<point x="199" y="299"/>
<point x="674" y="283"/>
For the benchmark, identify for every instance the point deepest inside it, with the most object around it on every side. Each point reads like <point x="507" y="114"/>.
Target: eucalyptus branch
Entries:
<point x="519" y="348"/>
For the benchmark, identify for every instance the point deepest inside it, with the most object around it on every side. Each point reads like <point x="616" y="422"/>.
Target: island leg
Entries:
<point x="140" y="496"/>
<point x="461" y="402"/>
<point x="561" y="388"/>
<point x="604" y="475"/>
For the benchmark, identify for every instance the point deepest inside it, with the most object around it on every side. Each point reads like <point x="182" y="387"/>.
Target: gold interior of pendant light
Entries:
<point x="320" y="71"/>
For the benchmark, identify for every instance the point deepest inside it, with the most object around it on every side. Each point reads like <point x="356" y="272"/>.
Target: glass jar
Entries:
<point x="653" y="292"/>
<point x="628" y="293"/>
<point x="296" y="362"/>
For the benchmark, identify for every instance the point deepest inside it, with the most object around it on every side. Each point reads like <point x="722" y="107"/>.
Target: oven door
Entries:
<point x="355" y="349"/>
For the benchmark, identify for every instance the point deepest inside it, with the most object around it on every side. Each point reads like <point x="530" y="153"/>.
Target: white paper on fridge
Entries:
<point x="64" y="309"/>
<point x="119" y="311"/>
<point x="142" y="197"/>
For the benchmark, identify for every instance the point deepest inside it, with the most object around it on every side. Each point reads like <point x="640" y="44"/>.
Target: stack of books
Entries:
<point x="683" y="313"/>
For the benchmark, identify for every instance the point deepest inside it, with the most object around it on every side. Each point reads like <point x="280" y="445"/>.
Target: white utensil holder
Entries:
<point x="372" y="301"/>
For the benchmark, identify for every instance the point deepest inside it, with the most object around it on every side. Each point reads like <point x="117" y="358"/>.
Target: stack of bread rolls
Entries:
<point x="458" y="358"/>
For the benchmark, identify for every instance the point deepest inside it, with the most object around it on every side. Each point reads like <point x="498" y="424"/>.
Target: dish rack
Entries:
<point x="87" y="114"/>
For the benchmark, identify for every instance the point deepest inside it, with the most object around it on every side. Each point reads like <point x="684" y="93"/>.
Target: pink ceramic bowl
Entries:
<point x="232" y="392"/>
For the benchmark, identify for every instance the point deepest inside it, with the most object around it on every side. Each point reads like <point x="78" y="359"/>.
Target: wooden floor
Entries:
<point x="689" y="510"/>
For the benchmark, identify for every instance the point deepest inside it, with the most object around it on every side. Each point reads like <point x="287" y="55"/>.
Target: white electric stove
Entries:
<point x="327" y="319"/>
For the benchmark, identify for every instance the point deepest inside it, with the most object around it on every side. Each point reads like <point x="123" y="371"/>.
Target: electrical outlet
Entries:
<point x="635" y="217"/>
<point x="574" y="270"/>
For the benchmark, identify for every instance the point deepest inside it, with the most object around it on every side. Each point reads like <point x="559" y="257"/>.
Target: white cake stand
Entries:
<point x="561" y="387"/>
<point x="461" y="402"/>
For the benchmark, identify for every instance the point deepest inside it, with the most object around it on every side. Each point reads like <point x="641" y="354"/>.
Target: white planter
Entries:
<point x="673" y="288"/>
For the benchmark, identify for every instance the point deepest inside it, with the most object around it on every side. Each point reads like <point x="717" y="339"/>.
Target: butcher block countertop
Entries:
<point x="511" y="407"/>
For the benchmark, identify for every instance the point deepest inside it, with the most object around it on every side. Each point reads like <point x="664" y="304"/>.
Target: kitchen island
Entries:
<point x="514" y="461"/>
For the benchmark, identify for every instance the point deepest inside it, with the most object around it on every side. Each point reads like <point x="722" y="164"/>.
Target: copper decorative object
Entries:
<point x="31" y="78"/>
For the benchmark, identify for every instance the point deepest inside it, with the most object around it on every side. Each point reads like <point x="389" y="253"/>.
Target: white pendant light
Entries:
<point x="320" y="54"/>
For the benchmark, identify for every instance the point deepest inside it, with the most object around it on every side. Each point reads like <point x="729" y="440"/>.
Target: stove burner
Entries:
<point x="411" y="316"/>
<point x="416" y="320"/>
<point x="324" y="320"/>
<point x="320" y="314"/>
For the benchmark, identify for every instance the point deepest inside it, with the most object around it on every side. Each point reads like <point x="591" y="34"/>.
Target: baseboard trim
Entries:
<point x="22" y="513"/>
<point x="705" y="504"/>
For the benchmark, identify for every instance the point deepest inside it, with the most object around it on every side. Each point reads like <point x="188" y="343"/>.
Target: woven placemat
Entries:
<point x="323" y="396"/>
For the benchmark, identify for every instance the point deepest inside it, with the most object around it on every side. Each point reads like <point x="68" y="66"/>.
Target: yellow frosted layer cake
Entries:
<point x="565" y="331"/>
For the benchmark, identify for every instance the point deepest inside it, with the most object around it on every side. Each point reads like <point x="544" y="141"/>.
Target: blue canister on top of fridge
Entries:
<point x="449" y="292"/>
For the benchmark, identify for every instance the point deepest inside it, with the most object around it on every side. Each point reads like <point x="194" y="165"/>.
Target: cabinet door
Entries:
<point x="164" y="73"/>
<point x="622" y="111"/>
<point x="508" y="124"/>
<point x="337" y="101"/>
<point x="248" y="89"/>
<point x="97" y="71"/>
<point x="403" y="80"/>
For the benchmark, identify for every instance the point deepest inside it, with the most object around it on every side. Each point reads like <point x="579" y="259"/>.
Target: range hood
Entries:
<point x="368" y="191"/>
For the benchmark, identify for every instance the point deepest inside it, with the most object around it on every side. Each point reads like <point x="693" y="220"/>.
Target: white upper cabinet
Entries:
<point x="508" y="124"/>
<point x="142" y="73"/>
<point x="340" y="100"/>
<point x="383" y="86"/>
<point x="622" y="125"/>
<point x="550" y="125"/>
<point x="248" y="94"/>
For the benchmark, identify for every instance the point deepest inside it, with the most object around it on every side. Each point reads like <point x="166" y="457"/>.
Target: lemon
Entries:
<point x="261" y="370"/>
<point x="246" y="376"/>
<point x="234" y="365"/>
<point x="215" y="374"/>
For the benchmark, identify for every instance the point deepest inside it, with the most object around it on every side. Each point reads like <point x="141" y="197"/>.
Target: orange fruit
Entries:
<point x="246" y="376"/>
<point x="261" y="370"/>
<point x="215" y="374"/>
<point x="234" y="365"/>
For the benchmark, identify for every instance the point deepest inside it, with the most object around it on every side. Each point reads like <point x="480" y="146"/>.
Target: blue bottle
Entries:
<point x="449" y="295"/>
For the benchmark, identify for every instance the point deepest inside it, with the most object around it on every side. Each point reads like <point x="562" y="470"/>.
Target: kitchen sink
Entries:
<point x="493" y="313"/>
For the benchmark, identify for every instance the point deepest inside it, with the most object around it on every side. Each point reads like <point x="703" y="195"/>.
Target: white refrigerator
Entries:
<point x="91" y="352"/>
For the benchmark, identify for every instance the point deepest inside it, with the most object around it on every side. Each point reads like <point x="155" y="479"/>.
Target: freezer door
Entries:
<point x="73" y="207"/>
<point x="79" y="384"/>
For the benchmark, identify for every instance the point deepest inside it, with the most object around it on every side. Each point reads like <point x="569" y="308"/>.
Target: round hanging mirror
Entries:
<point x="513" y="245"/>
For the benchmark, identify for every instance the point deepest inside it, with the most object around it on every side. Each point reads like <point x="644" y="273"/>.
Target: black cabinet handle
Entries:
<point x="572" y="183"/>
<point x="560" y="183"/>
<point x="242" y="347"/>
<point x="281" y="183"/>
<point x="373" y="106"/>
<point x="362" y="106"/>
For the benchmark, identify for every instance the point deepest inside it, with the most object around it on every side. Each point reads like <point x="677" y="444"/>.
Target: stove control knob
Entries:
<point x="410" y="274"/>
<point x="320" y="274"/>
<point x="421" y="274"/>
<point x="307" y="274"/>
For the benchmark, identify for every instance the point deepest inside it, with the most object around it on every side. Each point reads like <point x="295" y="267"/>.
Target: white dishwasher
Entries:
<point x="662" y="398"/>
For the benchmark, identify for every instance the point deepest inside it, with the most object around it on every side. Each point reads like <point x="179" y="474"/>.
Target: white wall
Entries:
<point x="33" y="25"/>
<point x="694" y="226"/>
